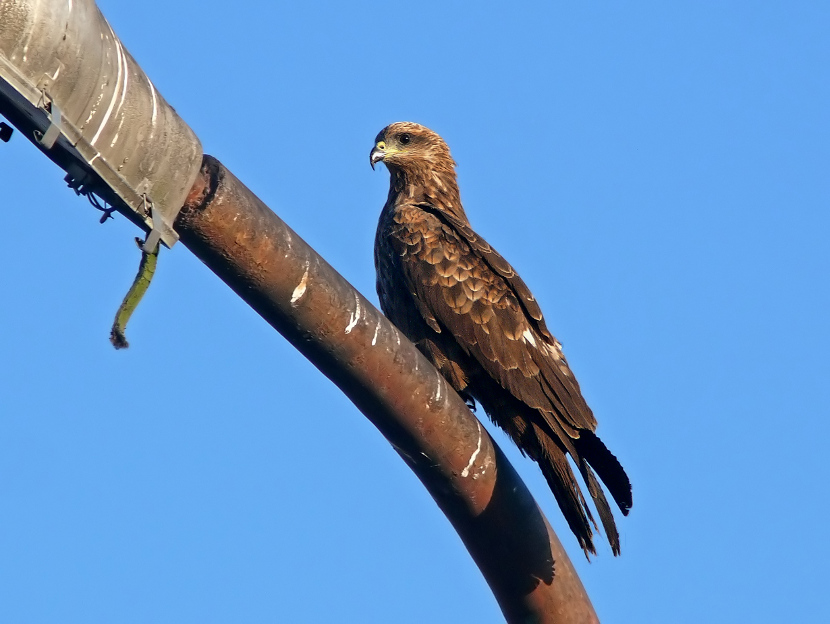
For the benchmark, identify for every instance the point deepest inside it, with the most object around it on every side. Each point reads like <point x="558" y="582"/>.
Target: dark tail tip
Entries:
<point x="118" y="339"/>
<point x="607" y="467"/>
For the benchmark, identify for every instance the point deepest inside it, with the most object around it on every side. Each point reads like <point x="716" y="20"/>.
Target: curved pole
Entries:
<point x="252" y="250"/>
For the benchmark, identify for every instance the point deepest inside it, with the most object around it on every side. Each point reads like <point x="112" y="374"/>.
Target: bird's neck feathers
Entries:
<point x="429" y="183"/>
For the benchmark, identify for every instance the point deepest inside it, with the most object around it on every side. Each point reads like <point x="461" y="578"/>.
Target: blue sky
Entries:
<point x="657" y="172"/>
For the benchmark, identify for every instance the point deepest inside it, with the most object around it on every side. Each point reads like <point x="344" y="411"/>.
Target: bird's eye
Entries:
<point x="405" y="138"/>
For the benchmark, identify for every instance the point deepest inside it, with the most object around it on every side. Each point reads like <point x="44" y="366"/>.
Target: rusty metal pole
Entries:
<point x="227" y="227"/>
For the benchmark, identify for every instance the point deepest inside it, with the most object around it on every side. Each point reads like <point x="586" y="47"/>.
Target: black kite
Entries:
<point x="469" y="313"/>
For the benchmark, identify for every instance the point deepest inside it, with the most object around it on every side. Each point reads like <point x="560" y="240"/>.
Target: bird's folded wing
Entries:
<point x="473" y="293"/>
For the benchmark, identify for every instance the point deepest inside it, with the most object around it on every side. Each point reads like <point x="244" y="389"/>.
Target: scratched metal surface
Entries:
<point x="65" y="52"/>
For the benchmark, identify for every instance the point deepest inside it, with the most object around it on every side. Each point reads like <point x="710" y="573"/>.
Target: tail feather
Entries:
<point x="603" y="509"/>
<point x="557" y="471"/>
<point x="594" y="460"/>
<point x="607" y="466"/>
<point x="543" y="436"/>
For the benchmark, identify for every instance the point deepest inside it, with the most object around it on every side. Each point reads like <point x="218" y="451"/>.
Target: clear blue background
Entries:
<point x="657" y="172"/>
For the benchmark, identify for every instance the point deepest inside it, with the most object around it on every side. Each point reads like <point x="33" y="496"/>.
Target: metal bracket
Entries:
<point x="48" y="138"/>
<point x="160" y="228"/>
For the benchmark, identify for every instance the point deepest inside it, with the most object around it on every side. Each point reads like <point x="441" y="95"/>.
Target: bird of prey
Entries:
<point x="474" y="318"/>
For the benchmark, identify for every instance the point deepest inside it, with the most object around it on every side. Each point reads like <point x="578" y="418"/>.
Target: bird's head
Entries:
<point x="405" y="146"/>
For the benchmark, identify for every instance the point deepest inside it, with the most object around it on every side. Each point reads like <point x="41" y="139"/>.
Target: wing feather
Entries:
<point x="492" y="315"/>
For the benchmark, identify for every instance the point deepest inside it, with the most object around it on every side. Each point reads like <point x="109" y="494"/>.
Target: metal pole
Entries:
<point x="252" y="250"/>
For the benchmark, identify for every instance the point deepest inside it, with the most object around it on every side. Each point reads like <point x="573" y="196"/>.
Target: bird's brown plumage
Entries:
<point x="475" y="319"/>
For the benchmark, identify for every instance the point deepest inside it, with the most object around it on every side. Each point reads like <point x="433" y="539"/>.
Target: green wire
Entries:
<point x="146" y="269"/>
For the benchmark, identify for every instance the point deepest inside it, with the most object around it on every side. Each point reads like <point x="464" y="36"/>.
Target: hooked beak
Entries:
<point x="377" y="154"/>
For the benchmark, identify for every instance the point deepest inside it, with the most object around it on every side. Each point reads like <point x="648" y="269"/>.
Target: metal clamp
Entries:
<point x="48" y="138"/>
<point x="160" y="228"/>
